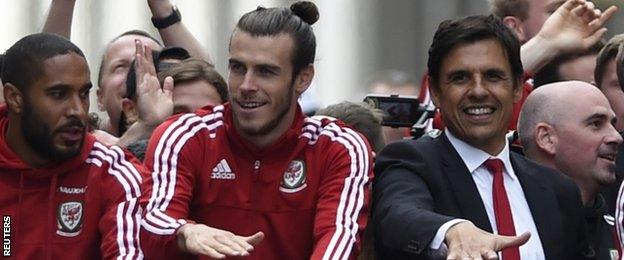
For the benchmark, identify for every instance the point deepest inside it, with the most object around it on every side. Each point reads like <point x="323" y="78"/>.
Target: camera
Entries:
<point x="402" y="111"/>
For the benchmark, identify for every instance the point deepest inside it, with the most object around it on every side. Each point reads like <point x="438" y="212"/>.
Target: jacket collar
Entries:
<point x="285" y="142"/>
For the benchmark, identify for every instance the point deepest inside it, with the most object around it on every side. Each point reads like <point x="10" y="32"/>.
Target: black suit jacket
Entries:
<point x="422" y="184"/>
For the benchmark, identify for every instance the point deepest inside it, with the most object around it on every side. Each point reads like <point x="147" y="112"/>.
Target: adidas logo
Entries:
<point x="222" y="171"/>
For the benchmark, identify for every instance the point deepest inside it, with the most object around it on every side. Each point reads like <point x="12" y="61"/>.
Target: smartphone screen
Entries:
<point x="398" y="111"/>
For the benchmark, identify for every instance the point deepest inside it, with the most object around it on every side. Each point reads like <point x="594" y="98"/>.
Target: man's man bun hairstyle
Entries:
<point x="295" y="21"/>
<point x="307" y="11"/>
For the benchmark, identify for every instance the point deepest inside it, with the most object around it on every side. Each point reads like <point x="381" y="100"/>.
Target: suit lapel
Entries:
<point x="542" y="202"/>
<point x="464" y="188"/>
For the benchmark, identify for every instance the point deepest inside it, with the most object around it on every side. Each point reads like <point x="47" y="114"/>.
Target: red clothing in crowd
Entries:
<point x="83" y="208"/>
<point x="308" y="192"/>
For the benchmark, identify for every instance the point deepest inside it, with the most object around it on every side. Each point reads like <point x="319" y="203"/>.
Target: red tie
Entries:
<point x="504" y="220"/>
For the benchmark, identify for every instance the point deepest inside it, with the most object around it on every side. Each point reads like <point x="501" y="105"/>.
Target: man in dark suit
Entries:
<point x="464" y="190"/>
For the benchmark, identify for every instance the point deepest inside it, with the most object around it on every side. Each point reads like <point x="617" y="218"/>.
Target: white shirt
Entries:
<point x="523" y="220"/>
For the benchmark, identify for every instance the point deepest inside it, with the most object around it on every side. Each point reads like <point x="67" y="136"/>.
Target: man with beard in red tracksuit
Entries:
<point x="256" y="177"/>
<point x="63" y="195"/>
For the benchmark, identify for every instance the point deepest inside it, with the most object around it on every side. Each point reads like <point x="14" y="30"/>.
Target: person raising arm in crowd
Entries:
<point x="117" y="59"/>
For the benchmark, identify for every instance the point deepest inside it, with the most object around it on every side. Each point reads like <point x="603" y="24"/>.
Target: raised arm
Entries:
<point x="60" y="17"/>
<point x="154" y="104"/>
<point x="575" y="26"/>
<point x="177" y="34"/>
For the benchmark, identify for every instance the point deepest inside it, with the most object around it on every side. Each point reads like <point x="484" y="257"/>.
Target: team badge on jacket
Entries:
<point x="70" y="218"/>
<point x="294" y="178"/>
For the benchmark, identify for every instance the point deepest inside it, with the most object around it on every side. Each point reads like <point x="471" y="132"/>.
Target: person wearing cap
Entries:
<point x="133" y="113"/>
<point x="197" y="85"/>
<point x="116" y="60"/>
<point x="140" y="112"/>
<point x="163" y="59"/>
<point x="255" y="177"/>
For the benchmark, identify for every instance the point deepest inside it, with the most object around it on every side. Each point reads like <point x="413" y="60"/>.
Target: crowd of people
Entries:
<point x="521" y="160"/>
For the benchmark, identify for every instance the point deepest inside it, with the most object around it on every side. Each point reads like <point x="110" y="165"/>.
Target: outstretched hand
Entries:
<point x="200" y="239"/>
<point x="575" y="26"/>
<point x="466" y="241"/>
<point x="154" y="104"/>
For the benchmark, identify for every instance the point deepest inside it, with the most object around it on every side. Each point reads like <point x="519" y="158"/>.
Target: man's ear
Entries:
<point x="546" y="138"/>
<point x="99" y="99"/>
<point x="130" y="111"/>
<point x="13" y="97"/>
<point x="515" y="25"/>
<point x="304" y="79"/>
<point x="434" y="92"/>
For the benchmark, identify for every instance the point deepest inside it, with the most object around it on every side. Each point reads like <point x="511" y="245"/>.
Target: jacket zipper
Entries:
<point x="256" y="170"/>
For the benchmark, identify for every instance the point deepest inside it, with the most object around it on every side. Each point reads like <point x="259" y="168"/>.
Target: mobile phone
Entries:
<point x="399" y="111"/>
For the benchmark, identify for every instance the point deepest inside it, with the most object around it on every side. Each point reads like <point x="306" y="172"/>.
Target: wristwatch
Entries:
<point x="174" y="17"/>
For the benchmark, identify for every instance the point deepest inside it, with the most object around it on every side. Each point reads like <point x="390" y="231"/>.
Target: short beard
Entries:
<point x="269" y="126"/>
<point x="40" y="137"/>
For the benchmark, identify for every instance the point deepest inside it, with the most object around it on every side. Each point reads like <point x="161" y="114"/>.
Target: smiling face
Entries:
<point x="476" y="92"/>
<point x="54" y="117"/>
<point x="587" y="141"/>
<point x="116" y="63"/>
<point x="263" y="93"/>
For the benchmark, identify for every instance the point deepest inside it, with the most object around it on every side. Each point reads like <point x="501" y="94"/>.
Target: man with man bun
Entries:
<point x="255" y="177"/>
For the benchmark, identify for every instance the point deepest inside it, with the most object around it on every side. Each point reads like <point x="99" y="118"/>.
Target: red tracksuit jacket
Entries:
<point x="308" y="192"/>
<point x="83" y="208"/>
